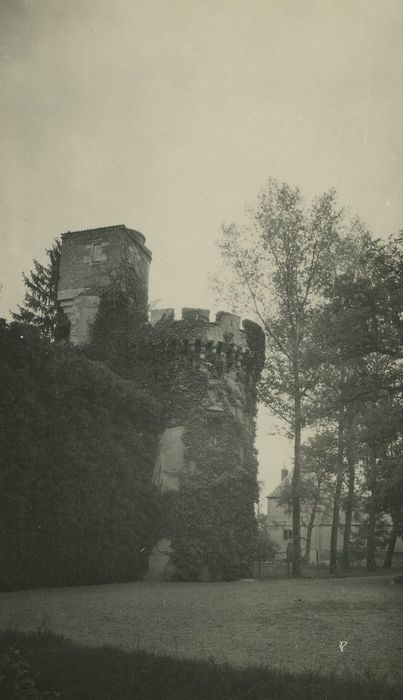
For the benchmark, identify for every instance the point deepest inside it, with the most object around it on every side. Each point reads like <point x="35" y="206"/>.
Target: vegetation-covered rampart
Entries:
<point x="210" y="519"/>
<point x="78" y="446"/>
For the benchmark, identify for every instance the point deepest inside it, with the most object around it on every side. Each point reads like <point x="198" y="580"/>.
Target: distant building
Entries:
<point x="279" y="524"/>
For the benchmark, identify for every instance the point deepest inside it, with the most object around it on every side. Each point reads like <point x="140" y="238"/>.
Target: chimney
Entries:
<point x="284" y="473"/>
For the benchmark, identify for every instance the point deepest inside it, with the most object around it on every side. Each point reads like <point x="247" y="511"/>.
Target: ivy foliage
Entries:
<point x="122" y="313"/>
<point x="82" y="507"/>
<point x="210" y="520"/>
<point x="213" y="526"/>
<point x="256" y="342"/>
<point x="78" y="445"/>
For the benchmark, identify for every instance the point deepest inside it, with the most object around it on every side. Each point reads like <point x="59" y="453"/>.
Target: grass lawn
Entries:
<point x="46" y="667"/>
<point x="290" y="629"/>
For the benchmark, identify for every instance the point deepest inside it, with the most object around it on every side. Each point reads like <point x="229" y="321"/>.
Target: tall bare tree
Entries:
<point x="280" y="266"/>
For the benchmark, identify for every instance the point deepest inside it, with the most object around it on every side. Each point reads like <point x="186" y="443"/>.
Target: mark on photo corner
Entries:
<point x="342" y="645"/>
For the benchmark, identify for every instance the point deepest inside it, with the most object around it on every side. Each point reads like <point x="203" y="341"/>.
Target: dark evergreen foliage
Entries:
<point x="40" y="306"/>
<point x="77" y="448"/>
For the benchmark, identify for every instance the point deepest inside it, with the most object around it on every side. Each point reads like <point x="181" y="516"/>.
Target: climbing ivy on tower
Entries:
<point x="210" y="520"/>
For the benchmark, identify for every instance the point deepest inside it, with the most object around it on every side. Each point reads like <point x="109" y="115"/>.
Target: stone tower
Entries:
<point x="219" y="362"/>
<point x="90" y="261"/>
<point x="204" y="373"/>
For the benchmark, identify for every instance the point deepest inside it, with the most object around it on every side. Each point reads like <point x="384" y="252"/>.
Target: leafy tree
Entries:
<point x="359" y="537"/>
<point x="337" y="375"/>
<point x="280" y="268"/>
<point x="383" y="475"/>
<point x="334" y="408"/>
<point x="40" y="306"/>
<point x="352" y="452"/>
<point x="391" y="487"/>
<point x="318" y="467"/>
<point x="361" y="335"/>
<point x="367" y="302"/>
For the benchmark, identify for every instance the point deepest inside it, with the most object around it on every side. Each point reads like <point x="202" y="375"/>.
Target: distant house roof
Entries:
<point x="277" y="491"/>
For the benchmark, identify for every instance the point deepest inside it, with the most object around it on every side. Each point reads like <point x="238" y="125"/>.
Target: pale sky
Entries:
<point x="169" y="116"/>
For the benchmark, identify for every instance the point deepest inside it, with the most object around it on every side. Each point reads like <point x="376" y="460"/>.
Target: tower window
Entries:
<point x="133" y="257"/>
<point x="97" y="254"/>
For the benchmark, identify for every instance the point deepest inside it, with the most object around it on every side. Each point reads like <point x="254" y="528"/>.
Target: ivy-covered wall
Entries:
<point x="132" y="434"/>
<point x="209" y="388"/>
<point x="203" y="375"/>
<point x="77" y="450"/>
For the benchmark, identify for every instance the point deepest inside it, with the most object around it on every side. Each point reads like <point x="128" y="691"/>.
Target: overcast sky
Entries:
<point x="169" y="116"/>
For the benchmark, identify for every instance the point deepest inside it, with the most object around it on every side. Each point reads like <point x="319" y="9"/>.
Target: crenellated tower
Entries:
<point x="204" y="373"/>
<point x="208" y="371"/>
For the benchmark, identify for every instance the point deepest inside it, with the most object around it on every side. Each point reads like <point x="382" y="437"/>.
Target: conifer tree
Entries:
<point x="40" y="306"/>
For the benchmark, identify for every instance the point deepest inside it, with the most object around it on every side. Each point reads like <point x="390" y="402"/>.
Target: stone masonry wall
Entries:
<point x="90" y="261"/>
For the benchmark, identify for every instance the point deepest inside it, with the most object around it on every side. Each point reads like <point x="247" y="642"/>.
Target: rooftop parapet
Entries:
<point x="225" y="329"/>
<point x="190" y="314"/>
<point x="221" y="341"/>
<point x="161" y="314"/>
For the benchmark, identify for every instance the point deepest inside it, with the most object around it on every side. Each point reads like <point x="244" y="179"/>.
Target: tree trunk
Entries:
<point x="309" y="532"/>
<point x="349" y="511"/>
<point x="387" y="564"/>
<point x="337" y="496"/>
<point x="296" y="478"/>
<point x="371" y="543"/>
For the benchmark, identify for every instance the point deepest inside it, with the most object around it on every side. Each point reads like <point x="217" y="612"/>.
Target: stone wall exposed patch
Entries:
<point x="171" y="459"/>
<point x="83" y="314"/>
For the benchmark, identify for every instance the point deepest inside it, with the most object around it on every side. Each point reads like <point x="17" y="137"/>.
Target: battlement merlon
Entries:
<point x="214" y="340"/>
<point x="225" y="329"/>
